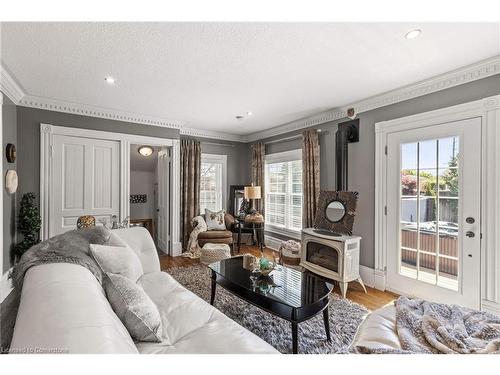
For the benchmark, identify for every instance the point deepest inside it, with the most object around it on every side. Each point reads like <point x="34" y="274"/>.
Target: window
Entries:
<point x="283" y="188"/>
<point x="212" y="182"/>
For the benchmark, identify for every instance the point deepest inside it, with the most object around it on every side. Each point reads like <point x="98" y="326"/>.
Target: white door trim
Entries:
<point x="1" y="184"/>
<point x="163" y="202"/>
<point x="3" y="278"/>
<point x="175" y="196"/>
<point x="47" y="132"/>
<point x="488" y="109"/>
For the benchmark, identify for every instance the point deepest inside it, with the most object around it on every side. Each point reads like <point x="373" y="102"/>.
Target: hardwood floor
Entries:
<point x="372" y="300"/>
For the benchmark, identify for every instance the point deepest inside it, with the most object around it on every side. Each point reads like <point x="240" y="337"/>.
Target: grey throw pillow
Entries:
<point x="133" y="306"/>
<point x="118" y="260"/>
<point x="215" y="220"/>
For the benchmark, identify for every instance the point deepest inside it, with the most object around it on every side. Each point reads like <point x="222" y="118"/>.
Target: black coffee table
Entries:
<point x="290" y="294"/>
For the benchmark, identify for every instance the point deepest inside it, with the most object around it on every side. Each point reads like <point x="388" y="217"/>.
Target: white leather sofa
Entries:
<point x="378" y="331"/>
<point x="64" y="309"/>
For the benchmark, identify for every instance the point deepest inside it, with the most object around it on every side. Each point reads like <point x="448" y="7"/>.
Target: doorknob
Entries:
<point x="470" y="234"/>
<point x="470" y="220"/>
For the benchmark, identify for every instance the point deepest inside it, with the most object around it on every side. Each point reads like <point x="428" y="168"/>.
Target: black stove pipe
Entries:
<point x="341" y="156"/>
<point x="347" y="132"/>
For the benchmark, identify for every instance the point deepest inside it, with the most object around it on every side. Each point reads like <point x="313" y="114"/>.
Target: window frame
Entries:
<point x="220" y="159"/>
<point x="281" y="157"/>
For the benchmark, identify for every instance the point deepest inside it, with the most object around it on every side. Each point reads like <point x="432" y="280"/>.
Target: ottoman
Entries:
<point x="290" y="252"/>
<point x="213" y="252"/>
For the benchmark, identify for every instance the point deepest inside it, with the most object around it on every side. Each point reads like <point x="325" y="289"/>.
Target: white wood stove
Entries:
<point x="333" y="256"/>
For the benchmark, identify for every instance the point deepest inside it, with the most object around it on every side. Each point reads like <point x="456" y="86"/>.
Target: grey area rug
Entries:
<point x="345" y="317"/>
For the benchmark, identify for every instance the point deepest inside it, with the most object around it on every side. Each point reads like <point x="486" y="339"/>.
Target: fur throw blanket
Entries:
<point x="428" y="327"/>
<point x="69" y="247"/>
<point x="199" y="225"/>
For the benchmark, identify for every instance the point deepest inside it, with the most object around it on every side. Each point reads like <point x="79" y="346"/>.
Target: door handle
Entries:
<point x="470" y="234"/>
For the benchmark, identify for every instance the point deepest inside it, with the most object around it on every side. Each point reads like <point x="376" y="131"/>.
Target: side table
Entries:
<point x="257" y="227"/>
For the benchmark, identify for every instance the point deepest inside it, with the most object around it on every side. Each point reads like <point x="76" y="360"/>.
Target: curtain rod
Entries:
<point x="297" y="136"/>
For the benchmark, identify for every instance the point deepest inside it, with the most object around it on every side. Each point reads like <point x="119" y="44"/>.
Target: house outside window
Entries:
<point x="213" y="182"/>
<point x="283" y="192"/>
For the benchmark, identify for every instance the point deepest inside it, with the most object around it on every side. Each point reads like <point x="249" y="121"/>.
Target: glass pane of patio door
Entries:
<point x="429" y="211"/>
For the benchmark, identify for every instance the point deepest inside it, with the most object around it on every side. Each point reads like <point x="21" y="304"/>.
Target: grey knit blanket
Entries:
<point x="428" y="327"/>
<point x="69" y="247"/>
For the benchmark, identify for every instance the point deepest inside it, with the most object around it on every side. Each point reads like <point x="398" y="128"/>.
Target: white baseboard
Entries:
<point x="367" y="275"/>
<point x="176" y="249"/>
<point x="272" y="242"/>
<point x="379" y="279"/>
<point x="491" y="307"/>
<point x="5" y="285"/>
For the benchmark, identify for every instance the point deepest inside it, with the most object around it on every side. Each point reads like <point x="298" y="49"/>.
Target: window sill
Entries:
<point x="295" y="234"/>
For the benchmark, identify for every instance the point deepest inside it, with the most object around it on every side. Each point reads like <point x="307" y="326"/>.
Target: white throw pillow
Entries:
<point x="215" y="220"/>
<point x="121" y="260"/>
<point x="133" y="306"/>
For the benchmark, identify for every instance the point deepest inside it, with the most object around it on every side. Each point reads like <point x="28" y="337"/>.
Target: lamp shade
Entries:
<point x="252" y="192"/>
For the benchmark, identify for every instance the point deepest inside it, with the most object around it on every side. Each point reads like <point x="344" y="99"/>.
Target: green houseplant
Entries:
<point x="29" y="223"/>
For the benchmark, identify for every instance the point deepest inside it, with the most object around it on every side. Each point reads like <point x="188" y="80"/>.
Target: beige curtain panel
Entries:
<point x="310" y="176"/>
<point x="258" y="155"/>
<point x="190" y="186"/>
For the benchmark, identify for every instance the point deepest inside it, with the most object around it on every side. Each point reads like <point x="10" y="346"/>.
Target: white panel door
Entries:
<point x="434" y="212"/>
<point x="85" y="181"/>
<point x="163" y="200"/>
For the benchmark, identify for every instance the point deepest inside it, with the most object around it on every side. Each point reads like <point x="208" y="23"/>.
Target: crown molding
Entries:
<point x="94" y="111"/>
<point x="9" y="86"/>
<point x="470" y="73"/>
<point x="201" y="133"/>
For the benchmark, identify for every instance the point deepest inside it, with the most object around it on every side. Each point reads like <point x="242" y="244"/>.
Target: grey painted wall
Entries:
<point x="28" y="136"/>
<point x="238" y="160"/>
<point x="9" y="135"/>
<point x="362" y="154"/>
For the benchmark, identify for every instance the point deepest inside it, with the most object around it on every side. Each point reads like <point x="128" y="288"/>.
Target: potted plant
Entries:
<point x="29" y="223"/>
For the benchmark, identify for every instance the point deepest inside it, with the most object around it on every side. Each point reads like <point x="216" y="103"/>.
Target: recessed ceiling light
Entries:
<point x="145" y="150"/>
<point x="249" y="113"/>
<point x="109" y="80"/>
<point x="413" y="34"/>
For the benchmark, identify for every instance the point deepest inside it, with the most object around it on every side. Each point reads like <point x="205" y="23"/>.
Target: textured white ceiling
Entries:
<point x="204" y="74"/>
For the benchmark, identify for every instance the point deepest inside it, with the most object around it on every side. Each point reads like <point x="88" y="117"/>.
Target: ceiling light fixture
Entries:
<point x="413" y="34"/>
<point x="242" y="117"/>
<point x="145" y="150"/>
<point x="110" y="80"/>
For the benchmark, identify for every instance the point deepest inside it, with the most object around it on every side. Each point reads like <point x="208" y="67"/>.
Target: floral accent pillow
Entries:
<point x="215" y="220"/>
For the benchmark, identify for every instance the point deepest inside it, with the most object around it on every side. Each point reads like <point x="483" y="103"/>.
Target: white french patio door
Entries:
<point x="433" y="212"/>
